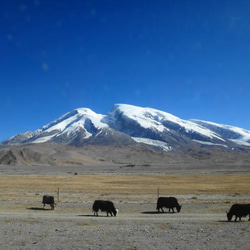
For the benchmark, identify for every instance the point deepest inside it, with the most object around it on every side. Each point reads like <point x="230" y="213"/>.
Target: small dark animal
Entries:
<point x="47" y="199"/>
<point x="239" y="211"/>
<point x="104" y="206"/>
<point x="168" y="202"/>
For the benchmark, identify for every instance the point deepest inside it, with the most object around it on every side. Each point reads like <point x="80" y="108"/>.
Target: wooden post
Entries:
<point x="58" y="195"/>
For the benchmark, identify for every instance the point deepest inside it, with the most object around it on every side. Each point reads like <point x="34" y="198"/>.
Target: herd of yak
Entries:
<point x="237" y="210"/>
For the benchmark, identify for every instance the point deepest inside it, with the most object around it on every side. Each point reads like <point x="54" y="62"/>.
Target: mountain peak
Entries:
<point x="127" y="124"/>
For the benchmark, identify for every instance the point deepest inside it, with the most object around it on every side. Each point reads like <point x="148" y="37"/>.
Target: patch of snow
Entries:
<point x="43" y="139"/>
<point x="210" y="143"/>
<point x="156" y="143"/>
<point x="240" y="142"/>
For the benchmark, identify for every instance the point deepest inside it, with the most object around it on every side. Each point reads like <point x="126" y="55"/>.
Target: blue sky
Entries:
<point x="188" y="58"/>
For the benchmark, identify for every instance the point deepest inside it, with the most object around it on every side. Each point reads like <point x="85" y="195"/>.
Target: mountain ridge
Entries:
<point x="127" y="125"/>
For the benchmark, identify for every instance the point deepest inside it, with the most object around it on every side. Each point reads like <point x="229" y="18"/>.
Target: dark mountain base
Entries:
<point x="136" y="159"/>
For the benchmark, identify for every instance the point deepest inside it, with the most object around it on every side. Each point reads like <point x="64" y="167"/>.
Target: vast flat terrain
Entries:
<point x="87" y="187"/>
<point x="201" y="224"/>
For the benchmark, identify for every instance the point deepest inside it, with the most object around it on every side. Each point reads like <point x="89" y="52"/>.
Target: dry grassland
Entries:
<point x="16" y="187"/>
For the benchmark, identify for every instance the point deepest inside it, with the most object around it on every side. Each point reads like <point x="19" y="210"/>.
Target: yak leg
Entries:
<point x="171" y="208"/>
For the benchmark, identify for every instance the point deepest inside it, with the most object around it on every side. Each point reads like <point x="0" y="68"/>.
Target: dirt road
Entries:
<point x="137" y="226"/>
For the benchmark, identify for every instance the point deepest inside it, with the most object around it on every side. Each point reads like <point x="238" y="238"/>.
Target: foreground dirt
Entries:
<point x="200" y="225"/>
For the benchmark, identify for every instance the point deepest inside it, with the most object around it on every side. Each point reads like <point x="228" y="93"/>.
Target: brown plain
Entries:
<point x="16" y="187"/>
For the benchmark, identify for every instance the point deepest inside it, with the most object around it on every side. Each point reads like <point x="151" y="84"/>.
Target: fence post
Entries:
<point x="58" y="195"/>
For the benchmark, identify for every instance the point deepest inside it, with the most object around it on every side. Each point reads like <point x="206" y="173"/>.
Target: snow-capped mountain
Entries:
<point x="126" y="124"/>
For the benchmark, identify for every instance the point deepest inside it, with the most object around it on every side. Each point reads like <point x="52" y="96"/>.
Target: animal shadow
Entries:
<point x="232" y="221"/>
<point x="86" y="215"/>
<point x="38" y="209"/>
<point x="94" y="216"/>
<point x="152" y="212"/>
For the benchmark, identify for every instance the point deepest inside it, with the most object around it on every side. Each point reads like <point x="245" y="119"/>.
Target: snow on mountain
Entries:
<point x="147" y="118"/>
<point x="159" y="121"/>
<point x="163" y="145"/>
<point x="67" y="127"/>
<point x="77" y="118"/>
<point x="127" y="124"/>
<point x="82" y="120"/>
<point x="20" y="138"/>
<point x="235" y="134"/>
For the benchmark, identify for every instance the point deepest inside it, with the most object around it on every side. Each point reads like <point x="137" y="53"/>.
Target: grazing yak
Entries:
<point x="239" y="211"/>
<point x="168" y="202"/>
<point x="104" y="206"/>
<point x="47" y="199"/>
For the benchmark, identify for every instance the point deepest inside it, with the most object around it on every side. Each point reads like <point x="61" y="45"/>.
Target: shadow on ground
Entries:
<point x="156" y="212"/>
<point x="94" y="216"/>
<point x="39" y="209"/>
<point x="232" y="221"/>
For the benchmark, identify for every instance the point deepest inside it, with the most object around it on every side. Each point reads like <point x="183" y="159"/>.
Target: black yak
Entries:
<point x="104" y="206"/>
<point x="239" y="211"/>
<point x="168" y="202"/>
<point x="47" y="199"/>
